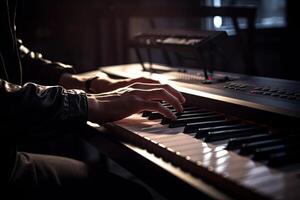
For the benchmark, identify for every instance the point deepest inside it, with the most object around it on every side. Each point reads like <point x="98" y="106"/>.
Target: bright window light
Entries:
<point x="217" y="19"/>
<point x="217" y="22"/>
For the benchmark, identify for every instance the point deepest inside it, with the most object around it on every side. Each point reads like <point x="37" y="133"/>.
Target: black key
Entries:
<point x="155" y="115"/>
<point x="198" y="110"/>
<point x="278" y="159"/>
<point x="193" y="127"/>
<point x="186" y="107"/>
<point x="265" y="152"/>
<point x="191" y="108"/>
<point x="146" y="113"/>
<point x="289" y="148"/>
<point x="236" y="143"/>
<point x="284" y="158"/>
<point x="195" y="113"/>
<point x="188" y="115"/>
<point x="183" y="122"/>
<point x="250" y="148"/>
<point x="203" y="132"/>
<point x="227" y="134"/>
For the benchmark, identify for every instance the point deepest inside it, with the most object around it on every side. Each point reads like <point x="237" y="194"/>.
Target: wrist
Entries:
<point x="88" y="85"/>
<point x="71" y="81"/>
<point x="92" y="107"/>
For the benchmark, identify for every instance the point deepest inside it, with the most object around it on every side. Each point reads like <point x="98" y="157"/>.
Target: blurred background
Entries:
<point x="93" y="33"/>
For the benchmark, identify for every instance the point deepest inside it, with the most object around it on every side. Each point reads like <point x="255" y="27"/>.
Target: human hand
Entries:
<point x="135" y="98"/>
<point x="107" y="84"/>
<point x="101" y="83"/>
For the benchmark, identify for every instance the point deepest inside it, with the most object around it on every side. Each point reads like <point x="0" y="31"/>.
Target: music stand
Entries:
<point x="179" y="41"/>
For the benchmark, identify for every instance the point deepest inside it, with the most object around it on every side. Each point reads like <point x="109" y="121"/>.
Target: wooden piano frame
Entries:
<point x="168" y="180"/>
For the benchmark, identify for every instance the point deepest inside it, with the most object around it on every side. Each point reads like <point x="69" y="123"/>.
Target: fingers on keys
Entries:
<point x="166" y="87"/>
<point x="149" y="103"/>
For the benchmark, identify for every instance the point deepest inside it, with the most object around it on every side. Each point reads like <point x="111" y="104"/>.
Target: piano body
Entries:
<point x="236" y="139"/>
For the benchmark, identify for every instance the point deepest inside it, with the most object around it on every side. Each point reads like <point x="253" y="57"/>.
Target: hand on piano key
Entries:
<point x="107" y="84"/>
<point x="135" y="98"/>
<point x="216" y="146"/>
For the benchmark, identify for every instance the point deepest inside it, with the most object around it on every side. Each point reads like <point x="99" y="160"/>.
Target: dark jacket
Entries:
<point x="25" y="104"/>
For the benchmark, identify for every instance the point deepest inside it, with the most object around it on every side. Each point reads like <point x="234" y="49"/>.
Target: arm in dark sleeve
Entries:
<point x="40" y="70"/>
<point x="34" y="106"/>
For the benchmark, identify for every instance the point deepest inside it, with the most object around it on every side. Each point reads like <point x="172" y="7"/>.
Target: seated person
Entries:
<point x="39" y="96"/>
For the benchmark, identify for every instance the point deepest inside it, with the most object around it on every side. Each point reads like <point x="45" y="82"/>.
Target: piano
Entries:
<point x="235" y="139"/>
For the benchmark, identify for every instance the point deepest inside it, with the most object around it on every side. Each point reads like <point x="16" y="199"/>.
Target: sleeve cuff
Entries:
<point x="76" y="105"/>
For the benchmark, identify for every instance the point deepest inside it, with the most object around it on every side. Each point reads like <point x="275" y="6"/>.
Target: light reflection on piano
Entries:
<point x="238" y="154"/>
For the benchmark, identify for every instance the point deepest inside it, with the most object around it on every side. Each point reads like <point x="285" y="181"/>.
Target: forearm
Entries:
<point x="71" y="81"/>
<point x="38" y="106"/>
<point x="87" y="82"/>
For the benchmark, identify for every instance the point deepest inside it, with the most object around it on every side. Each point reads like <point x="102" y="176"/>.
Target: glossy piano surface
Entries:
<point x="216" y="138"/>
<point x="218" y="164"/>
<point x="260" y="93"/>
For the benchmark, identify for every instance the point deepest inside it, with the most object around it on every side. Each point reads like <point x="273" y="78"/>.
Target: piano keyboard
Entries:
<point x="238" y="156"/>
<point x="255" y="158"/>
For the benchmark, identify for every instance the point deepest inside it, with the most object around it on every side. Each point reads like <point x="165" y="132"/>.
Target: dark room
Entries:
<point x="160" y="99"/>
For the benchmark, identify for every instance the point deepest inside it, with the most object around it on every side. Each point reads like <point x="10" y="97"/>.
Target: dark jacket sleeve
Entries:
<point x="32" y="106"/>
<point x="40" y="70"/>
